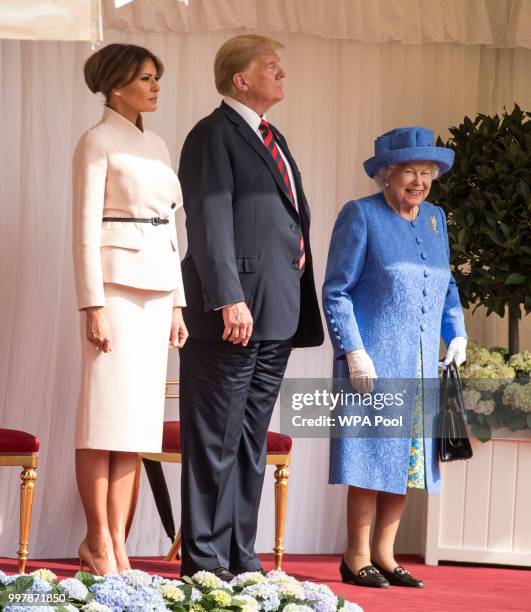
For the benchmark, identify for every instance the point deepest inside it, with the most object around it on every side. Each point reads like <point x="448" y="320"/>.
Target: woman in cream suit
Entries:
<point x="129" y="291"/>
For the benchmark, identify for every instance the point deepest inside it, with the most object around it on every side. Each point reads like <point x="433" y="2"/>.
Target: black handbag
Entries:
<point x="452" y="436"/>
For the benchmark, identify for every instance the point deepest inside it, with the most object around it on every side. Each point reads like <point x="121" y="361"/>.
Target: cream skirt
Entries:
<point x="121" y="403"/>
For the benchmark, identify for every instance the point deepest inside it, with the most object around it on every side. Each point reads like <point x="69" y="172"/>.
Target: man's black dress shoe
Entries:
<point x="260" y="570"/>
<point x="223" y="573"/>
<point x="400" y="577"/>
<point x="368" y="576"/>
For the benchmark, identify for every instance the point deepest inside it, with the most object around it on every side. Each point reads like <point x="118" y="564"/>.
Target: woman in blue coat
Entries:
<point x="388" y="297"/>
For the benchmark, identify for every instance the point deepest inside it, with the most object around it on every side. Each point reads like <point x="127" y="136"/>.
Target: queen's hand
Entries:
<point x="361" y="371"/>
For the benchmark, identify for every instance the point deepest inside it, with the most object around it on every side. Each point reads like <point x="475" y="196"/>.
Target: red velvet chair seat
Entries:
<point x="277" y="443"/>
<point x="15" y="442"/>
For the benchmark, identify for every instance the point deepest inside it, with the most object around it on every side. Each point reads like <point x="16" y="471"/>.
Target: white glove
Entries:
<point x="361" y="370"/>
<point x="456" y="351"/>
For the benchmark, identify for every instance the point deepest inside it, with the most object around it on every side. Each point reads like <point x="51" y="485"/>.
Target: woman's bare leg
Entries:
<point x="121" y="480"/>
<point x="360" y="511"/>
<point x="389" y="508"/>
<point x="92" y="474"/>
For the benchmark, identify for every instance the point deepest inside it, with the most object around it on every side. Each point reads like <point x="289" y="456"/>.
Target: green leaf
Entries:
<point x="87" y="578"/>
<point x="492" y="421"/>
<point x="481" y="432"/>
<point x="515" y="279"/>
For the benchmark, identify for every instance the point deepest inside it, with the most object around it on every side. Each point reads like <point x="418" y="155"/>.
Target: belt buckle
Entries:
<point x="155" y="220"/>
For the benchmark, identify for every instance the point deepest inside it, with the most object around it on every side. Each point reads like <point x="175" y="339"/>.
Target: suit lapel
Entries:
<point x="252" y="139"/>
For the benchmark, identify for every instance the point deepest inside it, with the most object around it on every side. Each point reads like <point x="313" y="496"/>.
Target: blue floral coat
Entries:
<point x="389" y="290"/>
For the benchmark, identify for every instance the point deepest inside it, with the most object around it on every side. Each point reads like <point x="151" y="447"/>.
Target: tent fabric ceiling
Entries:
<point x="497" y="23"/>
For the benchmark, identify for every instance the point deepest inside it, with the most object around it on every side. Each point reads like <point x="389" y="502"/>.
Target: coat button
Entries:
<point x="422" y="327"/>
<point x="331" y="321"/>
<point x="293" y="227"/>
<point x="424" y="292"/>
<point x="418" y="240"/>
<point x="335" y="329"/>
<point x="173" y="205"/>
<point x="413" y="224"/>
<point x="426" y="273"/>
<point x="341" y="346"/>
<point x="338" y="337"/>
<point x="423" y="255"/>
<point x="295" y="262"/>
<point x="424" y="309"/>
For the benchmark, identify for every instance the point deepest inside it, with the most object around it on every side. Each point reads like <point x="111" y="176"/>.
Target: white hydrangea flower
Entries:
<point x="350" y="607"/>
<point x="485" y="407"/>
<point x="291" y="607"/>
<point x="172" y="592"/>
<point x="74" y="588"/>
<point x="207" y="580"/>
<point x="94" y="606"/>
<point x="290" y="588"/>
<point x="470" y="398"/>
<point x="276" y="575"/>
<point x="249" y="603"/>
<point x="196" y="594"/>
<point x="521" y="362"/>
<point x="45" y="574"/>
<point x="518" y="396"/>
<point x="136" y="578"/>
<point x="222" y="598"/>
<point x="247" y="579"/>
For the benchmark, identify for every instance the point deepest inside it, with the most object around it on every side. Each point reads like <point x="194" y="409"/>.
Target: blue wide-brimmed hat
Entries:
<point x="406" y="145"/>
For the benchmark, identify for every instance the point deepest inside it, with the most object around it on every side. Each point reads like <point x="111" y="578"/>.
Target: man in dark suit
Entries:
<point x="250" y="296"/>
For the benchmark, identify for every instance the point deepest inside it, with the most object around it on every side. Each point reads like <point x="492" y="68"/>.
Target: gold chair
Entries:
<point x="278" y="454"/>
<point x="18" y="448"/>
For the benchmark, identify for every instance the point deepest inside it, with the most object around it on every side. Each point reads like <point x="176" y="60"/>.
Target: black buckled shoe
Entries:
<point x="368" y="576"/>
<point x="400" y="577"/>
<point x="223" y="573"/>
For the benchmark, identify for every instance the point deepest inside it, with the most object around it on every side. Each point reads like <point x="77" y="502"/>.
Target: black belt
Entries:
<point x="153" y="220"/>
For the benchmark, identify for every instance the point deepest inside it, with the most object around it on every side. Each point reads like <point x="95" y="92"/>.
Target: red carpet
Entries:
<point x="448" y="588"/>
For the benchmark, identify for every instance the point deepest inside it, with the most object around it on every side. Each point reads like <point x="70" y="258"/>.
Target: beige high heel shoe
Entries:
<point x="85" y="558"/>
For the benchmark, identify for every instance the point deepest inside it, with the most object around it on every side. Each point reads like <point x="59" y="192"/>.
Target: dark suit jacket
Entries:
<point x="244" y="234"/>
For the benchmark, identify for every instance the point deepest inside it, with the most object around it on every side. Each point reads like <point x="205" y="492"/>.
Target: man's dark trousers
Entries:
<point x="224" y="475"/>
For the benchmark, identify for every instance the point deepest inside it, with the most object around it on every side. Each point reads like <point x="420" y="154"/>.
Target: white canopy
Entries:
<point x="497" y="23"/>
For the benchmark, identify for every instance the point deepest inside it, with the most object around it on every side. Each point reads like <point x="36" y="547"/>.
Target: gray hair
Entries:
<point x="383" y="174"/>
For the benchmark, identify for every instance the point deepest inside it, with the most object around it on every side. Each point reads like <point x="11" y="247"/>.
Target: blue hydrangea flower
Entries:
<point x="152" y="600"/>
<point x="75" y="589"/>
<point x="266" y="594"/>
<point x="116" y="594"/>
<point x="322" y="597"/>
<point x="39" y="586"/>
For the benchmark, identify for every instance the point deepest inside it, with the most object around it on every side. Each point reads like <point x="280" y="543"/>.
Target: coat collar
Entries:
<point x="111" y="116"/>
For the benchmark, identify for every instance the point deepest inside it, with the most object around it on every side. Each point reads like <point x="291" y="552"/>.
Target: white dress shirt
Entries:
<point x="253" y="120"/>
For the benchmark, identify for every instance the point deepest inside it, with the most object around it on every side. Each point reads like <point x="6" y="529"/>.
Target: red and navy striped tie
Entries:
<point x="272" y="147"/>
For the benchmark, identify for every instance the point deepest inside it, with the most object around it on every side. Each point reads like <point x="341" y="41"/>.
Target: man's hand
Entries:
<point x="98" y="329"/>
<point x="238" y="323"/>
<point x="178" y="333"/>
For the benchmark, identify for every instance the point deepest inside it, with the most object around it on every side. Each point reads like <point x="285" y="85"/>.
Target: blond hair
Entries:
<point x="236" y="54"/>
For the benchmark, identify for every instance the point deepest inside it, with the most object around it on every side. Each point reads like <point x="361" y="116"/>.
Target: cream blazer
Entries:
<point x="121" y="171"/>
